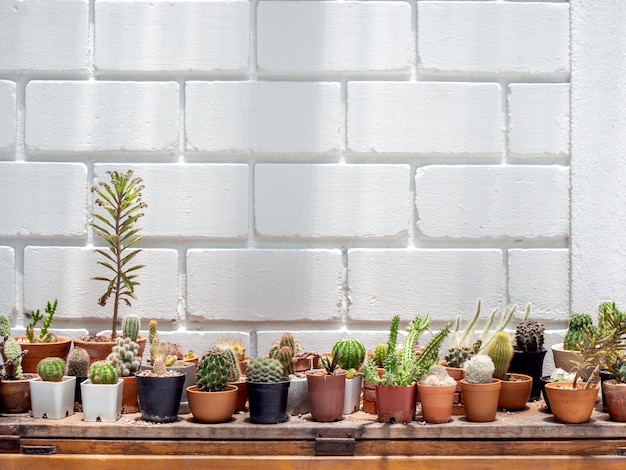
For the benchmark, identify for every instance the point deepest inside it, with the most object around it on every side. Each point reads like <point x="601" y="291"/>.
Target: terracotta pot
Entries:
<point x="615" y="399"/>
<point x="99" y="350"/>
<point x="563" y="359"/>
<point x="529" y="363"/>
<point x="129" y="395"/>
<point x="15" y="394"/>
<point x="242" y="394"/>
<point x="436" y="402"/>
<point x="481" y="400"/>
<point x="571" y="405"/>
<point x="326" y="395"/>
<point x="457" y="374"/>
<point x="396" y="403"/>
<point x="39" y="351"/>
<point x="212" y="407"/>
<point x="369" y="394"/>
<point x="514" y="394"/>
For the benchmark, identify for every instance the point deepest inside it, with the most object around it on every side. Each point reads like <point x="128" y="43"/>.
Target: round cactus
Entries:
<point x="479" y="369"/>
<point x="213" y="371"/>
<point x="500" y="351"/>
<point x="351" y="353"/>
<point x="104" y="372"/>
<point x="51" y="369"/>
<point x="456" y="357"/>
<point x="78" y="362"/>
<point x="130" y="327"/>
<point x="576" y="323"/>
<point x="378" y="354"/>
<point x="529" y="335"/>
<point x="125" y="354"/>
<point x="262" y="369"/>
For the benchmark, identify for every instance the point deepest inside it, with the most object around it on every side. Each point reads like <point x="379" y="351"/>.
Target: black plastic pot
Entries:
<point x="268" y="402"/>
<point x="604" y="376"/>
<point x="529" y="363"/>
<point x="78" y="398"/>
<point x="543" y="381"/>
<point x="159" y="397"/>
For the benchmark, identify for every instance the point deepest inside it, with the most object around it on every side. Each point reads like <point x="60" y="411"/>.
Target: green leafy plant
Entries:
<point x="44" y="335"/>
<point x="575" y="325"/>
<point x="330" y="364"/>
<point x="121" y="200"/>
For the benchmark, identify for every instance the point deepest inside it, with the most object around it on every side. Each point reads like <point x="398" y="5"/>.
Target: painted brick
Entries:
<point x="95" y="116"/>
<point x="150" y="36"/>
<point x="196" y="200"/>
<point x="492" y="201"/>
<point x="65" y="273"/>
<point x="493" y="37"/>
<point x="280" y="117"/>
<point x="264" y="285"/>
<point x="425" y="118"/>
<point x="43" y="199"/>
<point x="441" y="283"/>
<point x="48" y="35"/>
<point x="540" y="277"/>
<point x="312" y="201"/>
<point x="539" y="119"/>
<point x="7" y="280"/>
<point x="8" y="116"/>
<point x="317" y="36"/>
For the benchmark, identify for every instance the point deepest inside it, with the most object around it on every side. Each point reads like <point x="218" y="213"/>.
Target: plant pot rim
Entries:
<point x="322" y="373"/>
<point x="92" y="338"/>
<point x="493" y="381"/>
<point x="568" y="385"/>
<point x="283" y="380"/>
<point x="517" y="375"/>
<point x="194" y="389"/>
<point x="60" y="339"/>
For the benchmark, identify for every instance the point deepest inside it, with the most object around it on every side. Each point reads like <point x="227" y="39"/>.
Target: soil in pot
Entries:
<point x="515" y="392"/>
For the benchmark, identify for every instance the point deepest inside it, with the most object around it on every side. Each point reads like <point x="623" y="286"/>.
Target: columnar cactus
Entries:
<point x="529" y="335"/>
<point x="573" y="335"/>
<point x="130" y="327"/>
<point x="351" y="353"/>
<point x="5" y="325"/>
<point x="285" y="349"/>
<point x="158" y="355"/>
<point x="51" y="369"/>
<point x="235" y="369"/>
<point x="378" y="354"/>
<point x="500" y="350"/>
<point x="262" y="369"/>
<point x="240" y="350"/>
<point x="213" y="371"/>
<point x="104" y="372"/>
<point x="13" y="354"/>
<point x="152" y="331"/>
<point x="125" y="354"/>
<point x="479" y="369"/>
<point x="78" y="362"/>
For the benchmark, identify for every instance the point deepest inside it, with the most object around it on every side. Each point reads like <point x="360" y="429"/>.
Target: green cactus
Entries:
<point x="125" y="354"/>
<point x="158" y="356"/>
<point x="351" y="353"/>
<point x="130" y="327"/>
<point x="500" y="351"/>
<point x="457" y="356"/>
<point x="240" y="350"/>
<point x="261" y="369"/>
<point x="78" y="362"/>
<point x="235" y="369"/>
<point x="213" y="371"/>
<point x="577" y="322"/>
<point x="284" y="349"/>
<point x="529" y="335"/>
<point x="5" y="325"/>
<point x="51" y="369"/>
<point x="44" y="335"/>
<point x="378" y="354"/>
<point x="13" y="354"/>
<point x="152" y="331"/>
<point x="479" y="369"/>
<point x="618" y="369"/>
<point x="104" y="372"/>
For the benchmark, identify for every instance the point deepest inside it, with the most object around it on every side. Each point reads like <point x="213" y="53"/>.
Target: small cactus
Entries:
<point x="13" y="354"/>
<point x="51" y="369"/>
<point x="235" y="369"/>
<point x="213" y="371"/>
<point x="125" y="354"/>
<point x="529" y="335"/>
<point x="152" y="331"/>
<point x="78" y="362"/>
<point x="130" y="327"/>
<point x="158" y="355"/>
<point x="284" y="350"/>
<point x="479" y="369"/>
<point x="240" y="350"/>
<point x="351" y="353"/>
<point x="262" y="369"/>
<point x="5" y="325"/>
<point x="104" y="372"/>
<point x="437" y="376"/>
<point x="500" y="350"/>
<point x="378" y="354"/>
<point x="176" y="350"/>
<point x="577" y="322"/>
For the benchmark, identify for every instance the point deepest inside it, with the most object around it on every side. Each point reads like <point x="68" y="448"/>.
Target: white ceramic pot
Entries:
<point x="53" y="400"/>
<point x="352" y="395"/>
<point x="102" y="402"/>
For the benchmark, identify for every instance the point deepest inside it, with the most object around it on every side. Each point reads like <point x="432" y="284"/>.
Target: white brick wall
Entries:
<point x="8" y="116"/>
<point x="7" y="280"/>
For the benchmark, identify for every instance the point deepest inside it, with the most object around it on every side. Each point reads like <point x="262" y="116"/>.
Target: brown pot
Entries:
<point x="481" y="400"/>
<point x="369" y="395"/>
<point x="326" y="395"/>
<point x="39" y="351"/>
<point x="615" y="399"/>
<point x="212" y="407"/>
<point x="396" y="403"/>
<point x="129" y="395"/>
<point x="99" y="350"/>
<point x="242" y="394"/>
<point x="563" y="359"/>
<point x="457" y="374"/>
<point x="436" y="402"/>
<point x="514" y="394"/>
<point x="15" y="394"/>
<point x="571" y="405"/>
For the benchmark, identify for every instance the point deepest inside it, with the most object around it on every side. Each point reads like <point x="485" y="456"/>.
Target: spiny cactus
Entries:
<point x="158" y="355"/>
<point x="437" y="376"/>
<point x="104" y="372"/>
<point x="479" y="369"/>
<point x="457" y="356"/>
<point x="261" y="369"/>
<point x="284" y="350"/>
<point x="235" y="370"/>
<point x="577" y="322"/>
<point x="44" y="335"/>
<point x="51" y="369"/>
<point x="5" y="325"/>
<point x="240" y="350"/>
<point x="619" y="369"/>
<point x="13" y="354"/>
<point x="529" y="335"/>
<point x="152" y="331"/>
<point x="351" y="353"/>
<point x="130" y="327"/>
<point x="125" y="354"/>
<point x="213" y="371"/>
<point x="378" y="354"/>
<point x="500" y="351"/>
<point x="78" y="362"/>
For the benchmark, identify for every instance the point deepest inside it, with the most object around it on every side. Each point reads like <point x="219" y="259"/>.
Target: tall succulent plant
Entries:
<point x="130" y="327"/>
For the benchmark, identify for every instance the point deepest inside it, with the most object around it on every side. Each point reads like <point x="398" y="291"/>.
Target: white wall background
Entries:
<point x="316" y="166"/>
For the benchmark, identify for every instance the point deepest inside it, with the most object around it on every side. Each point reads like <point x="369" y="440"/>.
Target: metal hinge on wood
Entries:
<point x="621" y="451"/>
<point x="335" y="442"/>
<point x="39" y="450"/>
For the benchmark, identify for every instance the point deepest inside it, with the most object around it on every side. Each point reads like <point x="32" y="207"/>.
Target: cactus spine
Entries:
<point x="261" y="369"/>
<point x="284" y="350"/>
<point x="500" y="351"/>
<point x="104" y="372"/>
<point x="213" y="371"/>
<point x="158" y="354"/>
<point x="351" y="353"/>
<point x="78" y="363"/>
<point x="130" y="327"/>
<point x="125" y="354"/>
<point x="479" y="369"/>
<point x="529" y="335"/>
<point x="13" y="354"/>
<point x="5" y="325"/>
<point x="152" y="331"/>
<point x="51" y="369"/>
<point x="235" y="370"/>
<point x="378" y="354"/>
